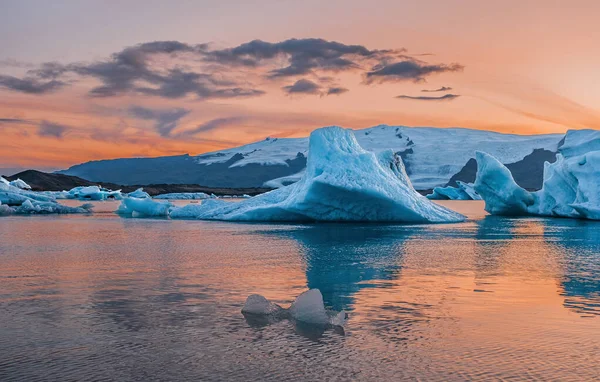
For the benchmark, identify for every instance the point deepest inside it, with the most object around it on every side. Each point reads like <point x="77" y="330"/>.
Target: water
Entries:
<point x="105" y="298"/>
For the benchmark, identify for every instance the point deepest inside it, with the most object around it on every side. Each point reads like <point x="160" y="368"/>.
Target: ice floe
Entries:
<point x="14" y="200"/>
<point x="143" y="207"/>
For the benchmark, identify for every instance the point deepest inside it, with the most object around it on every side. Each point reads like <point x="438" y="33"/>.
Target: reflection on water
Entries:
<point x="98" y="297"/>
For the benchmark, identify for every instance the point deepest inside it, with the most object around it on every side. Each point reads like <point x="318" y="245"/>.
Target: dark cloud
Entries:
<point x="165" y="120"/>
<point x="302" y="55"/>
<point x="49" y="129"/>
<point x="442" y="89"/>
<point x="407" y="71"/>
<point x="212" y="125"/>
<point x="30" y="85"/>
<point x="303" y="86"/>
<point x="336" y="90"/>
<point x="445" y="97"/>
<point x="13" y="120"/>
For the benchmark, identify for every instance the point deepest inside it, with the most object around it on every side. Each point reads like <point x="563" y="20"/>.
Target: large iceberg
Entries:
<point x="464" y="191"/>
<point x="571" y="186"/>
<point x="342" y="182"/>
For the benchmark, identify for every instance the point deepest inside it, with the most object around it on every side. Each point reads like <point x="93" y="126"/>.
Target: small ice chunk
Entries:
<point x="258" y="304"/>
<point x="309" y="308"/>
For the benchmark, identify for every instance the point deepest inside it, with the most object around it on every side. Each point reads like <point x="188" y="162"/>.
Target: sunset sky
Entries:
<point x="83" y="80"/>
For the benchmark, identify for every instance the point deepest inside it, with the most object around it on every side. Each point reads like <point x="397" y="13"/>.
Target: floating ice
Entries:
<point x="14" y="200"/>
<point x="91" y="193"/>
<point x="136" y="207"/>
<point x="284" y="180"/>
<point x="184" y="196"/>
<point x="308" y="308"/>
<point x="257" y="304"/>
<point x="571" y="186"/>
<point x="342" y="182"/>
<point x="140" y="194"/>
<point x="464" y="191"/>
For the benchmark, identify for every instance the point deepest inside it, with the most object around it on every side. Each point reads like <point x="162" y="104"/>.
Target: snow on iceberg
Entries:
<point x="20" y="184"/>
<point x="342" y="182"/>
<point x="284" y="180"/>
<point x="184" y="196"/>
<point x="464" y="191"/>
<point x="308" y="308"/>
<point x="145" y="207"/>
<point x="571" y="186"/>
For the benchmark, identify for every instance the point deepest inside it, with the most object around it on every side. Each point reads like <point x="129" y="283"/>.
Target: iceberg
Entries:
<point x="342" y="183"/>
<point x="571" y="186"/>
<point x="464" y="191"/>
<point x="184" y="196"/>
<point x="143" y="207"/>
<point x="308" y="308"/>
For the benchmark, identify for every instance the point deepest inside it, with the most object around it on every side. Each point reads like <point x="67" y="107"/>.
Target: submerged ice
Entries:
<point x="571" y="186"/>
<point x="342" y="182"/>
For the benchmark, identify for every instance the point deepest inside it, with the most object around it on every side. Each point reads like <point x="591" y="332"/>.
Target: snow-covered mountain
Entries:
<point x="432" y="157"/>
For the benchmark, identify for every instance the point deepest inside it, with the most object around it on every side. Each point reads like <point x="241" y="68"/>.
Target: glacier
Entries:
<point x="571" y="185"/>
<point x="464" y="191"/>
<point x="307" y="308"/>
<point x="342" y="182"/>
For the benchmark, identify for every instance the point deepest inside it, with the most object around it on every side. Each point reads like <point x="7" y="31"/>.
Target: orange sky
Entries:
<point x="529" y="67"/>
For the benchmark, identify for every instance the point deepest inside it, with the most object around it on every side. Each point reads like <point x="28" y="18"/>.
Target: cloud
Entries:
<point x="173" y="70"/>
<point x="14" y="120"/>
<point x="407" y="71"/>
<point x="336" y="90"/>
<point x="30" y="85"/>
<point x="301" y="55"/>
<point x="165" y="120"/>
<point x="442" y="89"/>
<point x="302" y="86"/>
<point x="49" y="129"/>
<point x="212" y="125"/>
<point x="445" y="97"/>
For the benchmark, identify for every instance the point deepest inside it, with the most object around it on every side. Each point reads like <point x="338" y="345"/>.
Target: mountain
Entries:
<point x="42" y="181"/>
<point x="432" y="157"/>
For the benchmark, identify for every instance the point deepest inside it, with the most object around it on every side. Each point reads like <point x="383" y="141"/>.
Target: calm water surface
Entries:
<point x="105" y="298"/>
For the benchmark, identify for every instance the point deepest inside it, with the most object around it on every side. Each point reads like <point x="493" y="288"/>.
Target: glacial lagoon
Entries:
<point x="93" y="297"/>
